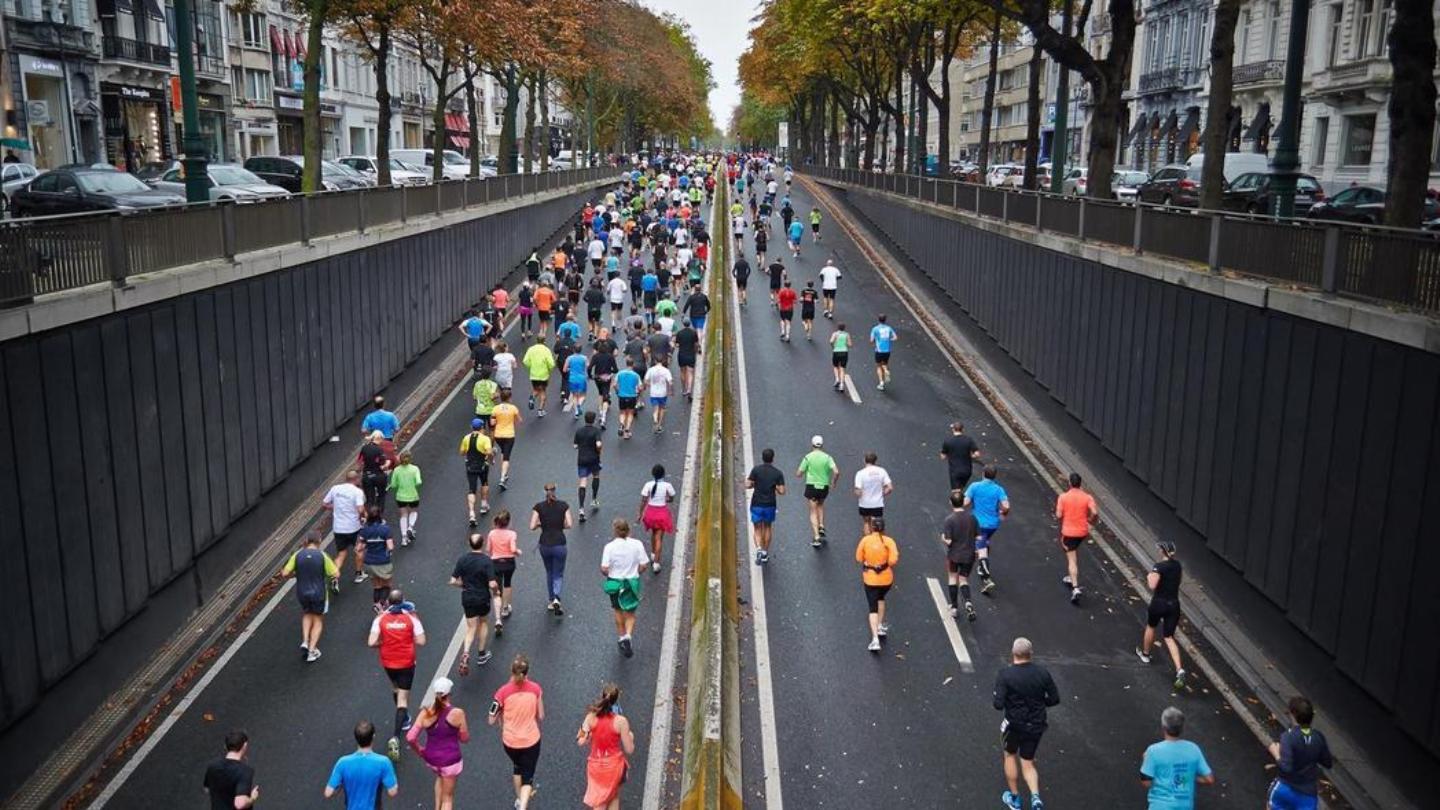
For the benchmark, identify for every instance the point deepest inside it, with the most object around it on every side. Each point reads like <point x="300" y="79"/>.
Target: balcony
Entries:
<point x="130" y="50"/>
<point x="1157" y="81"/>
<point x="1256" y="72"/>
<point x="210" y="65"/>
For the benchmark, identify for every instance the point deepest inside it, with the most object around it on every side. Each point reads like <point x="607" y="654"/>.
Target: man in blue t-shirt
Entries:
<point x="362" y="774"/>
<point x="474" y="328"/>
<point x="1173" y="767"/>
<point x="576" y="367"/>
<point x="989" y="503"/>
<point x="381" y="420"/>
<point x="627" y="391"/>
<point x="569" y="329"/>
<point x="797" y="231"/>
<point x="881" y="336"/>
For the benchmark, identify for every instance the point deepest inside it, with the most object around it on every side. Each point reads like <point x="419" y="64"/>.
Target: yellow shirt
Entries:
<point x="505" y="416"/>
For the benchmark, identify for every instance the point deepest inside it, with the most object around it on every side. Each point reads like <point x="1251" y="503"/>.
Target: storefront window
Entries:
<point x="1359" y="139"/>
<point x="45" y="110"/>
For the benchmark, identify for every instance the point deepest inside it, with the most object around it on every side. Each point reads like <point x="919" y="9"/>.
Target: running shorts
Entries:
<point x="872" y="511"/>
<point x="593" y="314"/>
<point x="602" y="387"/>
<point x="506" y="445"/>
<point x="658" y="402"/>
<point x="1019" y="742"/>
<point x="345" y="541"/>
<point x="958" y="481"/>
<point x="742" y="283"/>
<point x="408" y="504"/>
<point x="314" y="606"/>
<point x="544" y="316"/>
<point x="587" y="470"/>
<point x="787" y="314"/>
<point x="961" y="568"/>
<point x="476" y="479"/>
<point x="807" y="312"/>
<point x="814" y="227"/>
<point x="385" y="571"/>
<point x="524" y="761"/>
<point x="827" y="293"/>
<point x="576" y="386"/>
<point x="882" y="357"/>
<point x="698" y="323"/>
<point x="685" y="360"/>
<point x="985" y="534"/>
<point x="1284" y="797"/>
<point x="627" y="403"/>
<point x="762" y="515"/>
<point x="840" y="359"/>
<point x="539" y="385"/>
<point x="1165" y="614"/>
<point x="816" y="494"/>
<point x="475" y="606"/>
<point x="401" y="678"/>
<point x="874" y="595"/>
<point x="1072" y="543"/>
<point x="504" y="571"/>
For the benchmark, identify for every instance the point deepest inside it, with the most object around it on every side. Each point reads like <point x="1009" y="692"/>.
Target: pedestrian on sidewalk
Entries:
<point x="877" y="555"/>
<point x="445" y="730"/>
<point x="1173" y="767"/>
<point x="1164" y="611"/>
<point x="959" y="535"/>
<point x="519" y="709"/>
<point x="990" y="505"/>
<point x="346" y="503"/>
<point x="1300" y="754"/>
<point x="405" y="481"/>
<point x="503" y="549"/>
<point x="552" y="518"/>
<point x="620" y="563"/>
<point x="397" y="633"/>
<point x="230" y="781"/>
<point x="361" y="775"/>
<point x="1075" y="509"/>
<point x="1023" y="691"/>
<point x="314" y="572"/>
<point x="820" y="473"/>
<point x="766" y="483"/>
<point x="872" y="486"/>
<point x="477" y="450"/>
<point x="474" y="575"/>
<point x="611" y="740"/>
<point x="655" y="516"/>
<point x="379" y="553"/>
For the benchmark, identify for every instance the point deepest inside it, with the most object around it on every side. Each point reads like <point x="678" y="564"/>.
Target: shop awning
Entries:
<point x="456" y="122"/>
<point x="299" y="46"/>
<point x="1171" y="124"/>
<point x="460" y="141"/>
<point x="1139" y="129"/>
<point x="107" y="8"/>
<point x="289" y="49"/>
<point x="1259" y="123"/>
<point x="1192" y="123"/>
<point x="277" y="43"/>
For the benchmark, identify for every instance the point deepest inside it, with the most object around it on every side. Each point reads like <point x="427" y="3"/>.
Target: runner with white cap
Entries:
<point x="445" y="730"/>
<point x="819" y="472"/>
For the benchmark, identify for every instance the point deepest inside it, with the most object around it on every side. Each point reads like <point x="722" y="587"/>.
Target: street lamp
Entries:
<point x="1287" y="154"/>
<point x="197" y="157"/>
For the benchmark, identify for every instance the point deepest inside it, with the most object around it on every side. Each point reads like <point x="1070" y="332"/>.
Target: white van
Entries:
<point x="1236" y="163"/>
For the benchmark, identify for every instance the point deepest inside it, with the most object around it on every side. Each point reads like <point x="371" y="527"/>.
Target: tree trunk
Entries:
<point x="381" y="55"/>
<point x="1104" y="129"/>
<point x="988" y="110"/>
<point x="472" y="116"/>
<point x="1032" y="119"/>
<point x="922" y="127"/>
<point x="1222" y="63"/>
<point x="511" y="82"/>
<point x="530" y="125"/>
<point x="313" y="135"/>
<point x="897" y="113"/>
<point x="884" y="142"/>
<point x="542" y="83"/>
<point x="832" y="146"/>
<point x="818" y="115"/>
<point x="942" y="112"/>
<point x="437" y="120"/>
<point x="1412" y="112"/>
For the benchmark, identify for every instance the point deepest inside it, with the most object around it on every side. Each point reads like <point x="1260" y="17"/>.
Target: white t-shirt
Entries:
<point x="667" y="325"/>
<point x="738" y="224"/>
<point x="829" y="277"/>
<point x="682" y="235"/>
<point x="617" y="237"/>
<point x="617" y="289"/>
<point x="658" y="378"/>
<point x="505" y="369"/>
<point x="623" y="557"/>
<point x="771" y="187"/>
<point x="871" y="480"/>
<point x="683" y="256"/>
<point x="657" y="493"/>
<point x="347" y="500"/>
<point x="596" y="249"/>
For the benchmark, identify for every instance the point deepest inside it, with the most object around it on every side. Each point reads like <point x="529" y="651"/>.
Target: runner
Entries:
<point x="882" y="335"/>
<point x="989" y="503"/>
<point x="820" y="473"/>
<point x="474" y="328"/>
<point x="230" y="782"/>
<point x="615" y="290"/>
<point x="620" y="563"/>
<point x="1172" y="769"/>
<point x="650" y="293"/>
<point x="379" y="554"/>
<point x="587" y="461"/>
<point x="741" y="272"/>
<point x="519" y="709"/>
<point x="532" y="265"/>
<point x="960" y="454"/>
<point x="1299" y="755"/>
<point x="505" y="417"/>
<point x="877" y="555"/>
<point x="762" y="241"/>
<point x="627" y="392"/>
<point x="545" y="299"/>
<point x="776" y="271"/>
<point x="552" y="518"/>
<point x="396" y="632"/>
<point x="500" y="303"/>
<point x="808" y="297"/>
<point x="1023" y="691"/>
<point x="477" y="449"/>
<point x="379" y="419"/>
<point x="445" y="730"/>
<point x="374" y="469"/>
<point x="501" y="545"/>
<point x="525" y="307"/>
<point x="474" y="574"/>
<point x="1075" y="509"/>
<point x="659" y="381"/>
<point x="697" y="307"/>
<point x="815" y="223"/>
<point x="766" y="483"/>
<point x="839" y="354"/>
<point x="959" y="534"/>
<point x="504" y="363"/>
<point x="796" y="232"/>
<point x="313" y="571"/>
<point x="363" y="774"/>
<point x="486" y="392"/>
<point x="577" y="367"/>
<point x="602" y="370"/>
<point x="687" y="349"/>
<point x="539" y="363"/>
<point x="346" y="504"/>
<point x="595" y="300"/>
<point x="872" y="485"/>
<point x="829" y="286"/>
<point x="1164" y="612"/>
<point x="785" y="302"/>
<point x="655" y="498"/>
<point x="611" y="740"/>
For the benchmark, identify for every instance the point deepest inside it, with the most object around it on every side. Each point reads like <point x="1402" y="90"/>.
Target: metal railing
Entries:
<point x="133" y="50"/>
<point x="41" y="255"/>
<point x="1389" y="265"/>
<point x="1272" y="70"/>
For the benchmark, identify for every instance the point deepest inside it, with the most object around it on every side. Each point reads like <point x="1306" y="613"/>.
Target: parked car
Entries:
<point x="1365" y="205"/>
<point x="81" y="188"/>
<point x="1000" y="175"/>
<point x="401" y="173"/>
<point x="1176" y="184"/>
<point x="286" y="171"/>
<point x="1124" y="184"/>
<point x="227" y="182"/>
<point x="455" y="167"/>
<point x="1253" y="193"/>
<point x="356" y="176"/>
<point x="14" y="176"/>
<point x="1076" y="181"/>
<point x="1236" y="163"/>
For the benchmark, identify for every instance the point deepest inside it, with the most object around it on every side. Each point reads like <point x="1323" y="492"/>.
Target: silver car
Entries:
<point x="1125" y="183"/>
<point x="227" y="182"/>
<point x="401" y="173"/>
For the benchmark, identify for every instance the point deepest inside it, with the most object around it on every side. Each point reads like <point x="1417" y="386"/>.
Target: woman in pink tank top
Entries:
<point x="611" y="740"/>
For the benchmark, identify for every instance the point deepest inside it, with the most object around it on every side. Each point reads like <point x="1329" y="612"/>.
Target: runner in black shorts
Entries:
<point x="1164" y="612"/>
<point x="1023" y="691"/>
<point x="959" y="535"/>
<point x="808" y="297"/>
<point x="474" y="575"/>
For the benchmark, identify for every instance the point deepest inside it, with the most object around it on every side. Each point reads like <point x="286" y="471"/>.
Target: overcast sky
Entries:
<point x="720" y="28"/>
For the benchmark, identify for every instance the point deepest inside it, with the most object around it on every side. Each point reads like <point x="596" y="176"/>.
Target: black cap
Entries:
<point x="1166" y="547"/>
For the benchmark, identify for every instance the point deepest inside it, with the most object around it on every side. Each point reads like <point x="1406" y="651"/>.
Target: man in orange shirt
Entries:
<point x="1074" y="509"/>
<point x="544" y="305"/>
<point x="877" y="555"/>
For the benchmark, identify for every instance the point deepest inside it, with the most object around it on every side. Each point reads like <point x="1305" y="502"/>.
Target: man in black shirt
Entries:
<point x="777" y="280"/>
<point x="594" y="306"/>
<point x="697" y="306"/>
<point x="762" y="241"/>
<point x="482" y="355"/>
<point x="602" y="369"/>
<point x="687" y="349"/>
<point x="959" y="535"/>
<point x="742" y="277"/>
<point x="765" y="483"/>
<point x="587" y="461"/>
<point x="960" y="453"/>
<point x="374" y="469"/>
<point x="1164" y="581"/>
<point x="657" y="346"/>
<point x="474" y="575"/>
<point x="230" y="781"/>
<point x="637" y="278"/>
<point x="1023" y="691"/>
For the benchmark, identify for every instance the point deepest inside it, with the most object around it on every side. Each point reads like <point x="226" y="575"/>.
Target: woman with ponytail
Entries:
<point x="519" y="709"/>
<point x="445" y="729"/>
<point x="655" y="498"/>
<point x="611" y="740"/>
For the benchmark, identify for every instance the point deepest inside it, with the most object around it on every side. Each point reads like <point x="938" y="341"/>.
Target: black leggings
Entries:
<point x="525" y="760"/>
<point x="527" y="320"/>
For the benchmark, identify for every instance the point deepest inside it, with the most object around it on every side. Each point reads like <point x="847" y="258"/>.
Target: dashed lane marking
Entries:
<point x="962" y="654"/>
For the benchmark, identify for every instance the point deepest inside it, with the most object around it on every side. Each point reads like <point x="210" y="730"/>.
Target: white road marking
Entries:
<point x="769" y="746"/>
<point x="962" y="654"/>
<point x="664" y="708"/>
<point x="851" y="390"/>
<point x="446" y="661"/>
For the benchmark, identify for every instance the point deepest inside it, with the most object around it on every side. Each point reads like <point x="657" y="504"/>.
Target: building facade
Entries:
<point x="51" y="82"/>
<point x="1009" y="119"/>
<point x="1170" y="74"/>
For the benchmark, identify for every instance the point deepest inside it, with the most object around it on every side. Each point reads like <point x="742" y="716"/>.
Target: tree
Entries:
<point x="954" y="29"/>
<point x="1412" y="111"/>
<point x="438" y="30"/>
<point x="373" y="23"/>
<point x="1217" y="114"/>
<point x="987" y="111"/>
<point x="1032" y="121"/>
<point x="317" y="14"/>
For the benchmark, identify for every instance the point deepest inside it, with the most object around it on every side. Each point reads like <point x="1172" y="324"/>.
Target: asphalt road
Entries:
<point x="910" y="727"/>
<point x="300" y="716"/>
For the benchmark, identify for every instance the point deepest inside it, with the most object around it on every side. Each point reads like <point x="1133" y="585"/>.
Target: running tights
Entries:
<point x="526" y="321"/>
<point x="554" y="559"/>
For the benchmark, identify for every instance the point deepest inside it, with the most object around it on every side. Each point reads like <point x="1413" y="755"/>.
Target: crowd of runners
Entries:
<point x="639" y="339"/>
